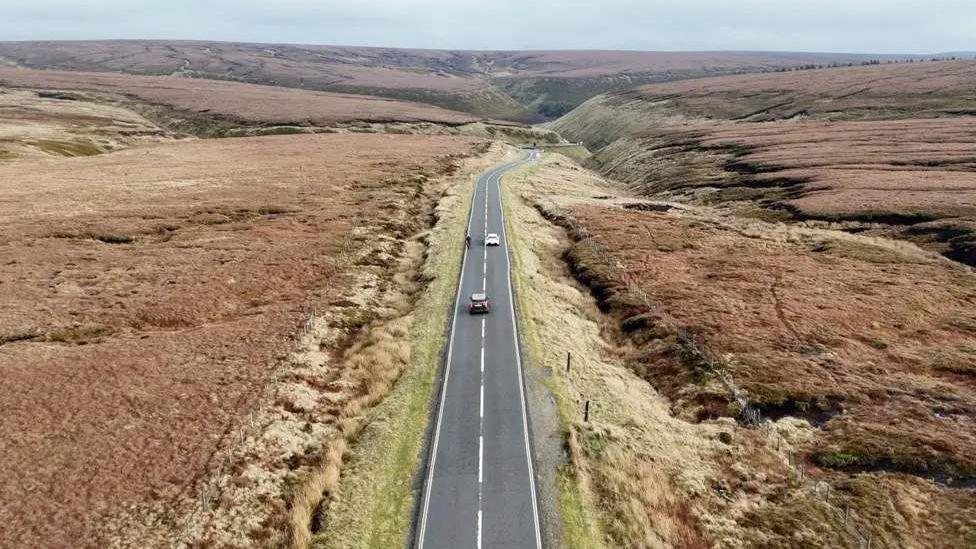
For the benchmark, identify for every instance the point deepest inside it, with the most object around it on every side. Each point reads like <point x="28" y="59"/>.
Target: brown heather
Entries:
<point x="151" y="296"/>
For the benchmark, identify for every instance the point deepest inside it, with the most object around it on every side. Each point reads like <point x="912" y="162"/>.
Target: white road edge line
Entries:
<point x="518" y="362"/>
<point x="447" y="371"/>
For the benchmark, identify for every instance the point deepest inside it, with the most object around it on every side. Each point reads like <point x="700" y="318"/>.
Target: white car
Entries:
<point x="491" y="239"/>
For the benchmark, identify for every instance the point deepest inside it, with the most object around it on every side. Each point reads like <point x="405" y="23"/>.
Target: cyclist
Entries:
<point x="467" y="241"/>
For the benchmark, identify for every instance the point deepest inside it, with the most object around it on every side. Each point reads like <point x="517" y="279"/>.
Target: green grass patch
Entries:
<point x="876" y="343"/>
<point x="839" y="459"/>
<point x="67" y="148"/>
<point x="868" y="253"/>
<point x="279" y="130"/>
<point x="577" y="531"/>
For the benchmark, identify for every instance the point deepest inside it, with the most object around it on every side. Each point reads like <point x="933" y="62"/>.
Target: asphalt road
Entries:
<point x="480" y="487"/>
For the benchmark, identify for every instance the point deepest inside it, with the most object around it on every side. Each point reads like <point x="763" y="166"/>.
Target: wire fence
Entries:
<point x="749" y="415"/>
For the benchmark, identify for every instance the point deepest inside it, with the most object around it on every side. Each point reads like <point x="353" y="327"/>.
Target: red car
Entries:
<point x="479" y="304"/>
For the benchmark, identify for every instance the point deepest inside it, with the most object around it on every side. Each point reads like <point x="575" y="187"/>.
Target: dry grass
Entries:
<point x="765" y="306"/>
<point x="871" y="397"/>
<point x="39" y="125"/>
<point x="370" y="369"/>
<point x="149" y="347"/>
<point x="901" y="170"/>
<point x="611" y="495"/>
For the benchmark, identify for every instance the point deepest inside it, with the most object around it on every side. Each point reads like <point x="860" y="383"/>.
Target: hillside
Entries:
<point x="785" y="261"/>
<point x="749" y="384"/>
<point x="40" y="124"/>
<point x="883" y="150"/>
<point x="190" y="327"/>
<point x="233" y="103"/>
<point x="514" y="85"/>
<point x="163" y="380"/>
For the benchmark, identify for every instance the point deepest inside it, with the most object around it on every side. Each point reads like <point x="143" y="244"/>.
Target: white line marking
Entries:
<point x="479" y="528"/>
<point x="447" y="375"/>
<point x="481" y="430"/>
<point x="518" y="362"/>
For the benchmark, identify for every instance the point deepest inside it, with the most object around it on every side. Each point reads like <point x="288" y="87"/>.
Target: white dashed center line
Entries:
<point x="493" y="178"/>
<point x="481" y="431"/>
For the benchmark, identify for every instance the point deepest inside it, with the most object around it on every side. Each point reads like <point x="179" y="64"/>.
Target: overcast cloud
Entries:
<point x="875" y="26"/>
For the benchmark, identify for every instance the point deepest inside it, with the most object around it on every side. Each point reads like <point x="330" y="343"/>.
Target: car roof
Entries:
<point x="493" y="234"/>
<point x="479" y="297"/>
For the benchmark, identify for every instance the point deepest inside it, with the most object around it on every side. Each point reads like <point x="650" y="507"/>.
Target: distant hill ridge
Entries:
<point x="514" y="85"/>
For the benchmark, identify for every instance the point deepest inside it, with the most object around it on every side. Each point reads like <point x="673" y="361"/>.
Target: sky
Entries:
<point x="856" y="26"/>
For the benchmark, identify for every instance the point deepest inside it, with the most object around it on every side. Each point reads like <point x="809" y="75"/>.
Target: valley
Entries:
<point x="741" y="308"/>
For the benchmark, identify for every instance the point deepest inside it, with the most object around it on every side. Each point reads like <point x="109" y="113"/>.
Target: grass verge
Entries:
<point x="581" y="526"/>
<point x="374" y="505"/>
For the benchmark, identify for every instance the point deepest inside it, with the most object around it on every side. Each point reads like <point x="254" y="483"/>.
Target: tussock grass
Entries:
<point x="101" y="236"/>
<point x="25" y="334"/>
<point x="78" y="334"/>
<point x="391" y="370"/>
<point x="688" y="261"/>
<point x="623" y="484"/>
<point x="114" y="238"/>
<point x="647" y="515"/>
<point x="373" y="365"/>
